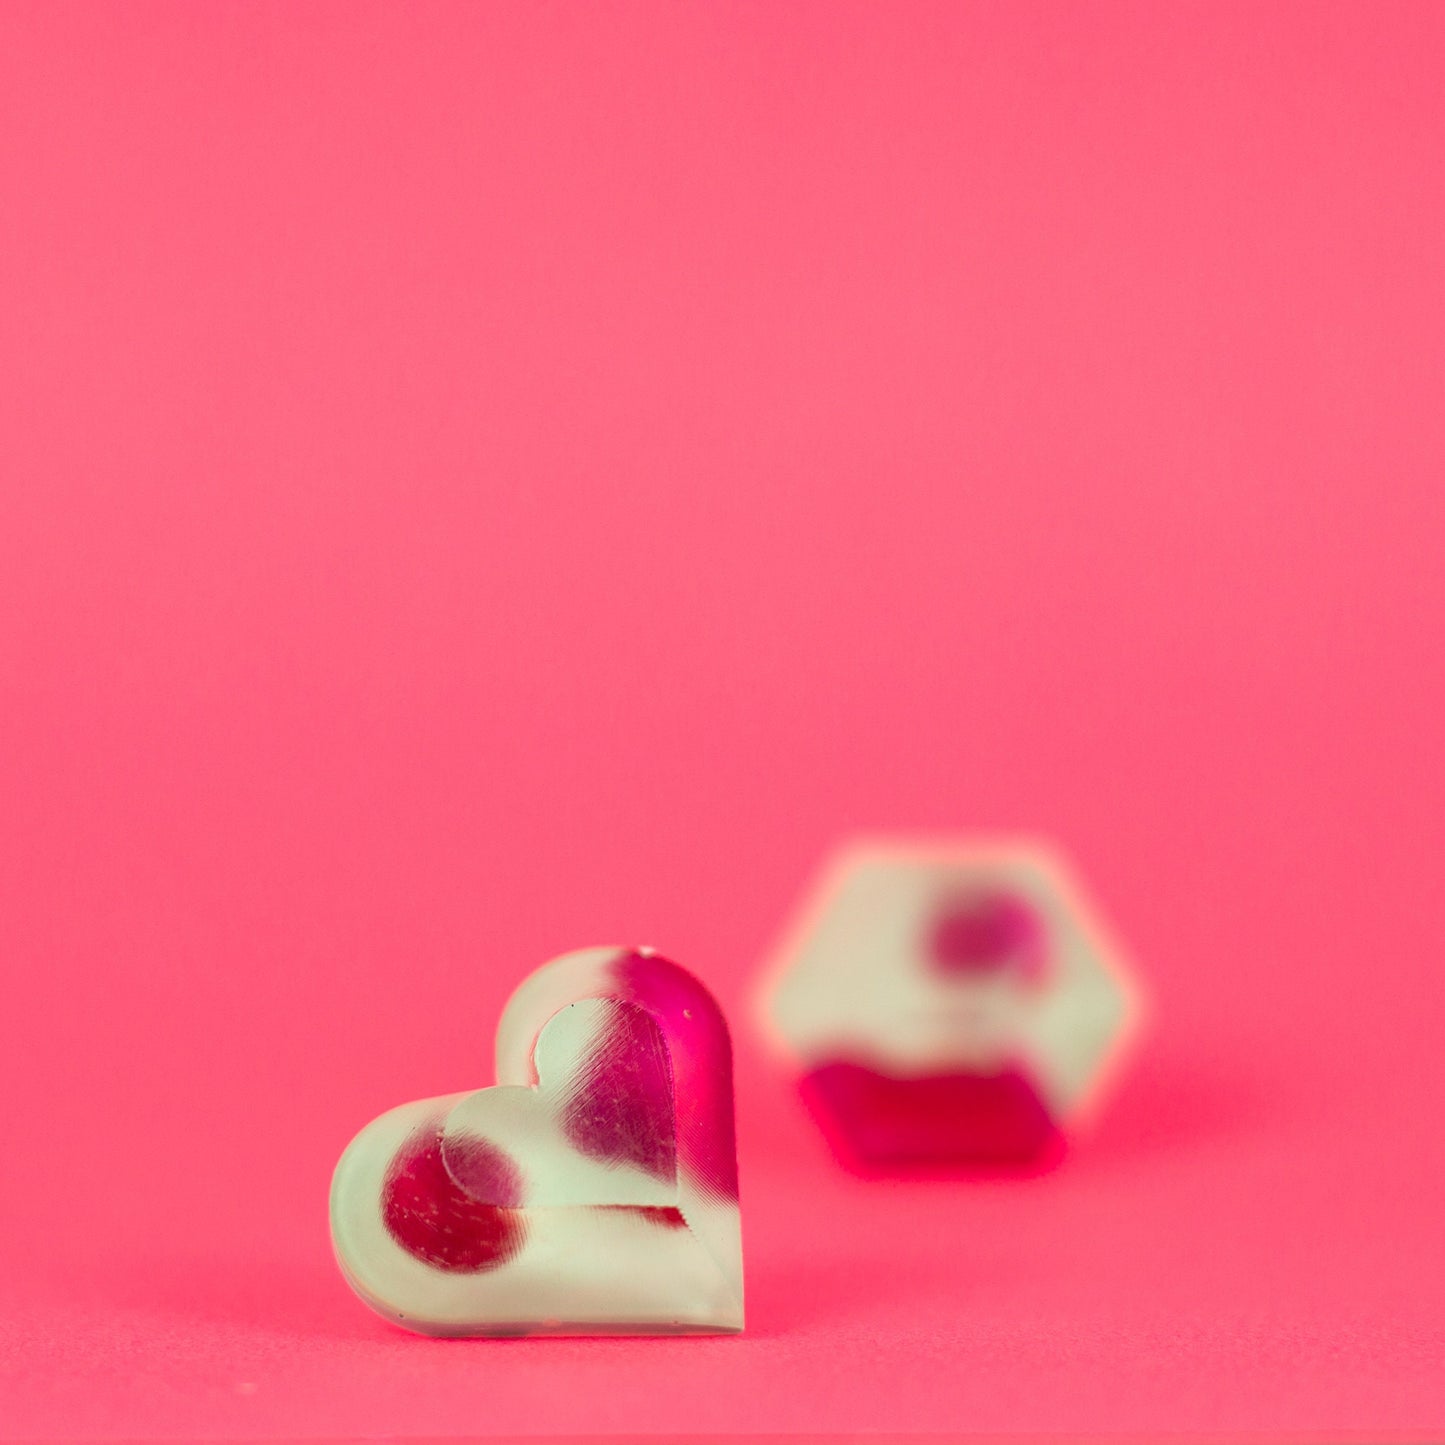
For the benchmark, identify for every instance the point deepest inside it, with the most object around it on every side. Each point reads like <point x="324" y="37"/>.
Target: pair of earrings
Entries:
<point x="940" y="1002"/>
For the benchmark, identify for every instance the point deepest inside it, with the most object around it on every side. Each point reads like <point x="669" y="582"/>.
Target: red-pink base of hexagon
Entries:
<point x="875" y="1121"/>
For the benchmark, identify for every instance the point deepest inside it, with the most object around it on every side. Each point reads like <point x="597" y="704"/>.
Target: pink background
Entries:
<point x="481" y="480"/>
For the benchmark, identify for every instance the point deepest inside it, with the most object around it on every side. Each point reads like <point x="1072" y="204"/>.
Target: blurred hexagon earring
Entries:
<point x="949" y="1002"/>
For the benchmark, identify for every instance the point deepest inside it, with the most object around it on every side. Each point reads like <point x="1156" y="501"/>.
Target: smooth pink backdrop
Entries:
<point x="480" y="480"/>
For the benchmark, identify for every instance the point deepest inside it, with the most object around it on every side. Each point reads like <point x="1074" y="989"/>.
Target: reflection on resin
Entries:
<point x="593" y="1190"/>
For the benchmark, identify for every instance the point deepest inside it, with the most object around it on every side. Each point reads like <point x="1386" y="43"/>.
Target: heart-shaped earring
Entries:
<point x="593" y="1190"/>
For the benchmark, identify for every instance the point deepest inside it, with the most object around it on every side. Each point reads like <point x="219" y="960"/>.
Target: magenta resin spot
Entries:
<point x="592" y="1190"/>
<point x="703" y="1061"/>
<point x="986" y="931"/>
<point x="441" y="1223"/>
<point x="622" y="1110"/>
<point x="948" y="1003"/>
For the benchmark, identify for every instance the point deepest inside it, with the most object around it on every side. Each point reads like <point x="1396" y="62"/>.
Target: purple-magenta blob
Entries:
<point x="620" y="1110"/>
<point x="983" y="933"/>
<point x="701" y="1053"/>
<point x="482" y="1170"/>
<point x="433" y="1219"/>
<point x="953" y="1118"/>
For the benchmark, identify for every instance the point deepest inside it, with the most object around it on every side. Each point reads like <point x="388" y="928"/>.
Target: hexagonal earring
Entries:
<point x="949" y="1002"/>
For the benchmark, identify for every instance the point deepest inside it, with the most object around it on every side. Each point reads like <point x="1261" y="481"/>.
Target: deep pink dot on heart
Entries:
<point x="620" y="1109"/>
<point x="987" y="932"/>
<point x="431" y="1217"/>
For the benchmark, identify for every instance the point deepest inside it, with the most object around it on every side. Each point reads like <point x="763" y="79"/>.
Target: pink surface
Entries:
<point x="480" y="481"/>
